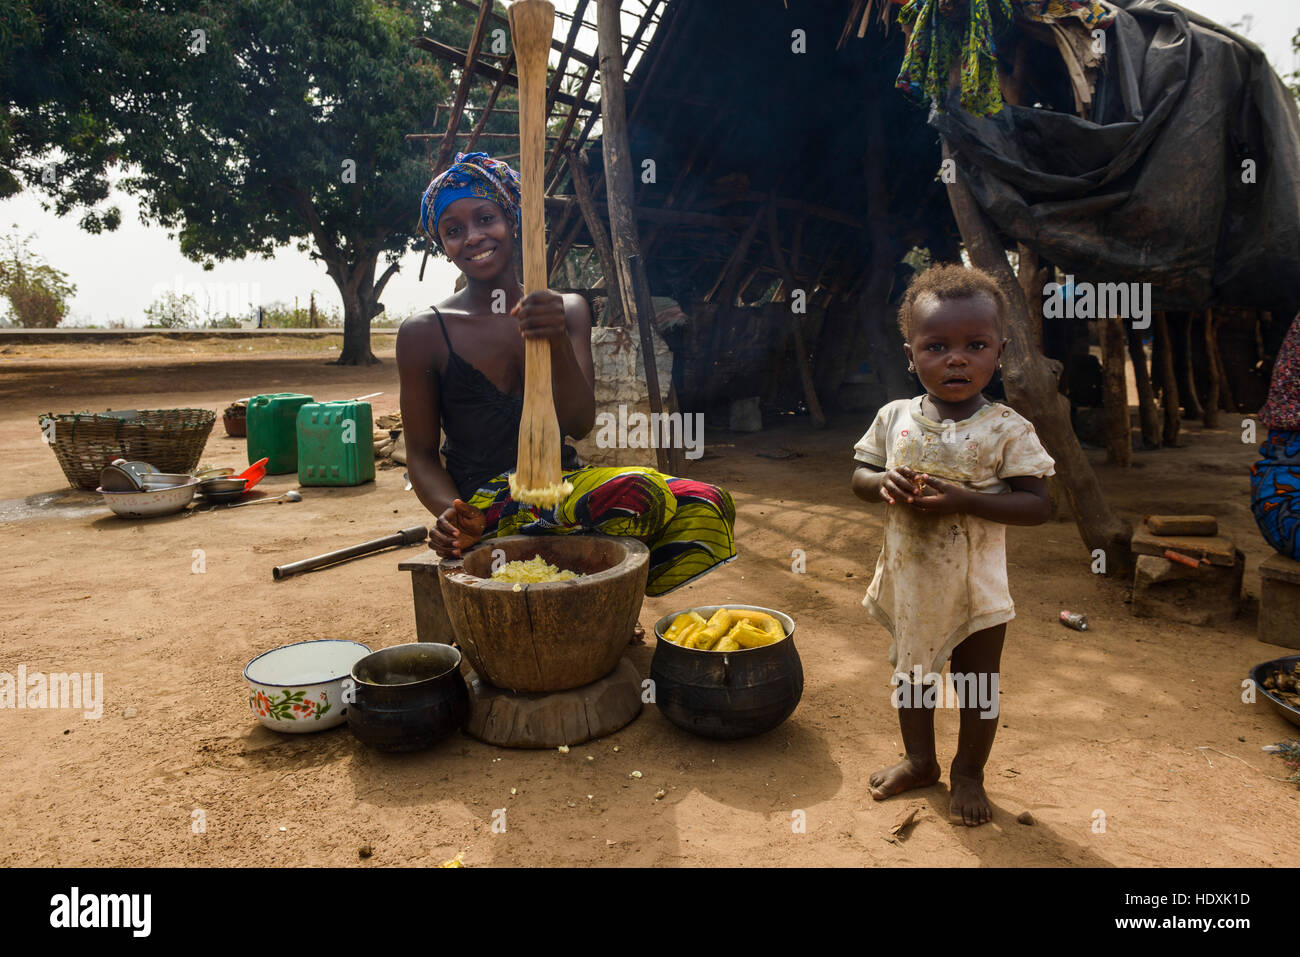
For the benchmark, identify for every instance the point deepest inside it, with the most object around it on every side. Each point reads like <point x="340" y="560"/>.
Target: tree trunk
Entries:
<point x="1148" y="414"/>
<point x="361" y="303"/>
<point x="1114" y="389"/>
<point x="1031" y="388"/>
<point x="1029" y="284"/>
<point x="1169" y="383"/>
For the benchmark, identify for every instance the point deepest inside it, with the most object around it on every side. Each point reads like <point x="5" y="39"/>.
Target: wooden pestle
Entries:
<point x="537" y="478"/>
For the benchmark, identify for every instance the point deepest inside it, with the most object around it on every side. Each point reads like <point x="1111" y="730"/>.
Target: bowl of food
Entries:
<point x="151" y="501"/>
<point x="558" y="614"/>
<point x="299" y="688"/>
<point x="408" y="697"/>
<point x="726" y="671"/>
<point x="1279" y="679"/>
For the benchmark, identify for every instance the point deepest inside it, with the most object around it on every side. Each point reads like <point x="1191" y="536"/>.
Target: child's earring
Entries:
<point x="911" y="367"/>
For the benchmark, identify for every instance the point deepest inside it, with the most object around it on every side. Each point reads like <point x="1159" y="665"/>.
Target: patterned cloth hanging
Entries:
<point x="1091" y="13"/>
<point x="936" y="42"/>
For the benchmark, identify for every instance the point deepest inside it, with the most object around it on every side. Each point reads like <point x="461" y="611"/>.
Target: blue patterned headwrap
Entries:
<point x="473" y="174"/>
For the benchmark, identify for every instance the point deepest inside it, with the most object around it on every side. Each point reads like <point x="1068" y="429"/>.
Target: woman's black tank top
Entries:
<point x="480" y="424"/>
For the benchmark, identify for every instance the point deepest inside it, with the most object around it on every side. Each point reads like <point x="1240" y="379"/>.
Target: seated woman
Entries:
<point x="461" y="367"/>
<point x="1275" y="478"/>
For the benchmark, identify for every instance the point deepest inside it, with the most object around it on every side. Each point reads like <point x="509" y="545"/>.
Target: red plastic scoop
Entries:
<point x="253" y="474"/>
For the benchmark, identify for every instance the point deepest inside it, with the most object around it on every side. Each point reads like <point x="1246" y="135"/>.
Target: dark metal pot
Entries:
<point x="408" y="697"/>
<point x="727" y="694"/>
<point x="1262" y="671"/>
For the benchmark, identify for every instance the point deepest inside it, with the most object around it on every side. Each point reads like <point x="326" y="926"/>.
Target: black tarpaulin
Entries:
<point x="1152" y="188"/>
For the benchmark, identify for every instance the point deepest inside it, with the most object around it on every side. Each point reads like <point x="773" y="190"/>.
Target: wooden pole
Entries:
<point x="1032" y="389"/>
<point x="462" y="88"/>
<point x="1168" y="383"/>
<point x="620" y="193"/>
<point x="796" y="323"/>
<point x="1119" y="433"/>
<point x="487" y="108"/>
<point x="1191" y="400"/>
<point x="1211" y="417"/>
<point x="665" y="459"/>
<point x="1148" y="415"/>
<point x="1227" y="401"/>
<point x="599" y="237"/>
<point x="725" y="286"/>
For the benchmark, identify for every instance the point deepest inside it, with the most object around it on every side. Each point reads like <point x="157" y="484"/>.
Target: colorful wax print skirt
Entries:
<point x="688" y="526"/>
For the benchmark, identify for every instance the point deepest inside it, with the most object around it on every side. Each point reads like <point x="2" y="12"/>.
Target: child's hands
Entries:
<point x="939" y="497"/>
<point x="899" y="485"/>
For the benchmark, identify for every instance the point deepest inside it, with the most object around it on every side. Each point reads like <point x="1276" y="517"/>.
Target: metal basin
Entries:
<point x="151" y="503"/>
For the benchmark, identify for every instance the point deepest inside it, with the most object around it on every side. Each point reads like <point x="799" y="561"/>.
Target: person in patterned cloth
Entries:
<point x="461" y="367"/>
<point x="1275" y="478"/>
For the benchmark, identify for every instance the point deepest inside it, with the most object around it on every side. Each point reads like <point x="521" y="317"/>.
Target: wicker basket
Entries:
<point x="171" y="440"/>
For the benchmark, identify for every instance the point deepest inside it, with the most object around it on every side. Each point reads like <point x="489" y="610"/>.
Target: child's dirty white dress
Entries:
<point x="941" y="578"/>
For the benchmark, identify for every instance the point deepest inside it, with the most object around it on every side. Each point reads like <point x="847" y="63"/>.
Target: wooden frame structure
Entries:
<point x="764" y="192"/>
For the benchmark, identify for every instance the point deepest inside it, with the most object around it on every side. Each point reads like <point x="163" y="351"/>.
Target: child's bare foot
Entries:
<point x="903" y="776"/>
<point x="970" y="805"/>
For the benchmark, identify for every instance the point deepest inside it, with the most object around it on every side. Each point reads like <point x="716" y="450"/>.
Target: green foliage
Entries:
<point x="243" y="126"/>
<point x="1292" y="79"/>
<point x="172" y="310"/>
<point x="38" y="293"/>
<point x="279" y="315"/>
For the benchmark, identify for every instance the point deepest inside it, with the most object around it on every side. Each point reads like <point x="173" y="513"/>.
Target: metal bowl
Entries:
<point x="114" y="478"/>
<point x="222" y="489"/>
<point x="300" y="687"/>
<point x="158" y="481"/>
<point x="149" y="503"/>
<point x="1262" y="671"/>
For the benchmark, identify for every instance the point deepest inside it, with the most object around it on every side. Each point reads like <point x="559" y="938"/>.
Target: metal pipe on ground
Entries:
<point x="407" y="536"/>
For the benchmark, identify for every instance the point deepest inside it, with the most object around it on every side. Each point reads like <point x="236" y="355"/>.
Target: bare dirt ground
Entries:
<point x="1106" y="722"/>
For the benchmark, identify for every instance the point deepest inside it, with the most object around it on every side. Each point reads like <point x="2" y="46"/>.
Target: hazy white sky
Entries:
<point x="118" y="274"/>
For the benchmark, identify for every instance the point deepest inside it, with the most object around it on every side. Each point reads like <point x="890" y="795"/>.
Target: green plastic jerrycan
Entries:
<point x="273" y="432"/>
<point x="335" y="443"/>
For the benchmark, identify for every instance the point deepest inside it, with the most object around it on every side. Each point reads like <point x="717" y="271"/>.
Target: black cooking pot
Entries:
<point x="727" y="694"/>
<point x="408" y="697"/>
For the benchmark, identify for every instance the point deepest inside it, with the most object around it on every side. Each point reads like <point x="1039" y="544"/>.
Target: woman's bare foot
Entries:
<point x="903" y="776"/>
<point x="638" y="635"/>
<point x="970" y="805"/>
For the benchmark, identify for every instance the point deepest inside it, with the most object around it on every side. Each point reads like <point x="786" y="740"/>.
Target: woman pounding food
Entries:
<point x="461" y="367"/>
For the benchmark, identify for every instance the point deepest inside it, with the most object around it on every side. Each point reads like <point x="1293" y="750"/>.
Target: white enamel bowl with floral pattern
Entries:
<point x="299" y="688"/>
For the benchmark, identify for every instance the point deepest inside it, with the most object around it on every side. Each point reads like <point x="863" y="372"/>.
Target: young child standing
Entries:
<point x="953" y="470"/>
